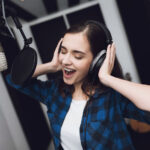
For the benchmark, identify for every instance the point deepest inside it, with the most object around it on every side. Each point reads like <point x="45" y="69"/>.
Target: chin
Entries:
<point x="72" y="82"/>
<point x="68" y="82"/>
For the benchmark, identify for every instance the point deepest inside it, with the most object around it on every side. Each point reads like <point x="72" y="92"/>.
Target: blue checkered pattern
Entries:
<point x="105" y="127"/>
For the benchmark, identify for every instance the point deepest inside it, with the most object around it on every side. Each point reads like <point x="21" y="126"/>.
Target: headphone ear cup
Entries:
<point x="98" y="60"/>
<point x="97" y="63"/>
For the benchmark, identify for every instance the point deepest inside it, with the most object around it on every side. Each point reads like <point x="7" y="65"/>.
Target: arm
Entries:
<point x="139" y="94"/>
<point x="49" y="67"/>
<point x="128" y="109"/>
<point x="36" y="89"/>
<point x="39" y="89"/>
<point x="44" y="68"/>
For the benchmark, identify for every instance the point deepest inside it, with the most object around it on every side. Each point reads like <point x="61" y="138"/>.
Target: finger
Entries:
<point x="58" y="46"/>
<point x="113" y="52"/>
<point x="113" y="49"/>
<point x="108" y="53"/>
<point x="56" y="54"/>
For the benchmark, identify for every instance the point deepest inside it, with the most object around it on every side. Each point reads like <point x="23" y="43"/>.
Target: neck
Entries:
<point x="78" y="86"/>
<point x="78" y="93"/>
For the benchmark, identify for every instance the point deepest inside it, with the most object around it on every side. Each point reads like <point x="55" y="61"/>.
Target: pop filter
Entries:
<point x="25" y="62"/>
<point x="24" y="66"/>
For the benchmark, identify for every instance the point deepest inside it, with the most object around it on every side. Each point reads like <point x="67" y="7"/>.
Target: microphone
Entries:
<point x="3" y="60"/>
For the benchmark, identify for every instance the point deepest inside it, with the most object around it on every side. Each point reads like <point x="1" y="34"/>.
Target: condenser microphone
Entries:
<point x="3" y="60"/>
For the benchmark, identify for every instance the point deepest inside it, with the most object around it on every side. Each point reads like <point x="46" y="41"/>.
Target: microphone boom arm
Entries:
<point x="19" y="27"/>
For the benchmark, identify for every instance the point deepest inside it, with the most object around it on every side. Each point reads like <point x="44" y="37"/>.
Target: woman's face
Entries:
<point x="75" y="58"/>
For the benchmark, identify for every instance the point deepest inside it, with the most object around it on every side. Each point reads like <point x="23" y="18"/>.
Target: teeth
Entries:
<point x="69" y="70"/>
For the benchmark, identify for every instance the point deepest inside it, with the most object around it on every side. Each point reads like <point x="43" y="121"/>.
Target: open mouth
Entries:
<point x="68" y="72"/>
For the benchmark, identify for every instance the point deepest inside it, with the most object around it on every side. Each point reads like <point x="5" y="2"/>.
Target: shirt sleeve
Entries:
<point x="130" y="110"/>
<point x="36" y="89"/>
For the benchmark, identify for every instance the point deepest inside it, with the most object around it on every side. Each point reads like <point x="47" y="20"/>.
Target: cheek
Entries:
<point x="84" y="66"/>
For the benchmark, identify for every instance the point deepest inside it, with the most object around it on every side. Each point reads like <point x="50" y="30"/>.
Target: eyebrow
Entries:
<point x="75" y="51"/>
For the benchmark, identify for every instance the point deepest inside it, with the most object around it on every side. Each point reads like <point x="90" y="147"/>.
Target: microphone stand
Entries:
<point x="12" y="12"/>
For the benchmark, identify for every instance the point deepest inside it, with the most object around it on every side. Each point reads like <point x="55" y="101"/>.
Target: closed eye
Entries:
<point x="63" y="51"/>
<point x="78" y="57"/>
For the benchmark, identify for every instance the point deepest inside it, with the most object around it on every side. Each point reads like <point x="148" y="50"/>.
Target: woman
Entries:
<point x="86" y="113"/>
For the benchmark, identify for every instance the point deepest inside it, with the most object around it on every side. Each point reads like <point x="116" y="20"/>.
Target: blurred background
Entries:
<point x="23" y="121"/>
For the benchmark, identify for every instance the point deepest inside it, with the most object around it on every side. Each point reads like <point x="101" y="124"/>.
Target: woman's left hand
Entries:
<point x="108" y="64"/>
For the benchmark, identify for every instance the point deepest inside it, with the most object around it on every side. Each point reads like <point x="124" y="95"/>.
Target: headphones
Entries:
<point x="99" y="59"/>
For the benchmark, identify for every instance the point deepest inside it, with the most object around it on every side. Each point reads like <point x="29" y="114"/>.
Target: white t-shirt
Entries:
<point x="70" y="130"/>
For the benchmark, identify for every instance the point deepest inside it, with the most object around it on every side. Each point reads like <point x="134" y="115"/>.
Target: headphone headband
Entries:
<point x="105" y="29"/>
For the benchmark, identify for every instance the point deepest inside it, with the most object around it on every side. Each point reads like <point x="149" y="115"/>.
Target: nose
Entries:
<point x="67" y="60"/>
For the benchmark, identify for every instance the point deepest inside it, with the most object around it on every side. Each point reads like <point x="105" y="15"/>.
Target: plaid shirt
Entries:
<point x="105" y="125"/>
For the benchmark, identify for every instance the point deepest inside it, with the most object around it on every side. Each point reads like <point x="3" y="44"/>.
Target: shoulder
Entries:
<point x="34" y="82"/>
<point x="106" y="92"/>
<point x="107" y="95"/>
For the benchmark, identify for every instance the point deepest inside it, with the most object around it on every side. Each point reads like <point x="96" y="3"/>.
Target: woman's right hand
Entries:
<point x="55" y="60"/>
<point x="52" y="66"/>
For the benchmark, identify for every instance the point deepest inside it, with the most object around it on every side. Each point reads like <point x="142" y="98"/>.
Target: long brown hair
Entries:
<point x="97" y="40"/>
